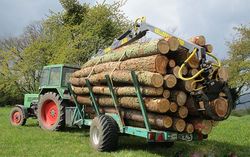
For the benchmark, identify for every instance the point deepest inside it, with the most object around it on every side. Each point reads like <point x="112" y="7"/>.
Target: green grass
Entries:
<point x="232" y="135"/>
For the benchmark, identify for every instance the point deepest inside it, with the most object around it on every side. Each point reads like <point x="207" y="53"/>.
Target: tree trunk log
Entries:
<point x="220" y="106"/>
<point x="192" y="72"/>
<point x="132" y="51"/>
<point x="202" y="126"/>
<point x="155" y="63"/>
<point x="122" y="76"/>
<point x="209" y="48"/>
<point x="159" y="105"/>
<point x="189" y="128"/>
<point x="120" y="91"/>
<point x="171" y="63"/>
<point x="169" y="81"/>
<point x="166" y="94"/>
<point x="156" y="120"/>
<point x="173" y="107"/>
<point x="178" y="125"/>
<point x="199" y="40"/>
<point x="179" y="97"/>
<point x="223" y="74"/>
<point x="188" y="86"/>
<point x="182" y="112"/>
<point x="173" y="43"/>
<point x="176" y="69"/>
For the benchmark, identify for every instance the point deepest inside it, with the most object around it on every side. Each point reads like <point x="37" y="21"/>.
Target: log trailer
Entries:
<point x="56" y="107"/>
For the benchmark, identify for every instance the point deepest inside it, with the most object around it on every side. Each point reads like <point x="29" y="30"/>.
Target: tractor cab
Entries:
<point x="55" y="78"/>
<point x="53" y="90"/>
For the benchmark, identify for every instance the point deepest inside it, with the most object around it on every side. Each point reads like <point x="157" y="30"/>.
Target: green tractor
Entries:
<point x="48" y="106"/>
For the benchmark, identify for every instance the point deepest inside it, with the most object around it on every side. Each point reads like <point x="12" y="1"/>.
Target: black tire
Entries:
<point x="17" y="116"/>
<point x="58" y="116"/>
<point x="104" y="133"/>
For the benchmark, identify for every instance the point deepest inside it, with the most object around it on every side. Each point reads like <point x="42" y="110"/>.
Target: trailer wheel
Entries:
<point x="17" y="117"/>
<point x="104" y="133"/>
<point x="51" y="112"/>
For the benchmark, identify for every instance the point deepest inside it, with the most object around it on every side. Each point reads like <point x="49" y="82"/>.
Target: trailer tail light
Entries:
<point x="151" y="136"/>
<point x="160" y="137"/>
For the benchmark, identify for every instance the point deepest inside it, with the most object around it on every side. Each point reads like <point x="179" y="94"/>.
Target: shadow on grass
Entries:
<point x="208" y="147"/>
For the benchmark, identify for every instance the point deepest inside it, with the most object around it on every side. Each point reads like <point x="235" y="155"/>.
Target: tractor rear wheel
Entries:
<point x="51" y="112"/>
<point x="17" y="116"/>
<point x="104" y="133"/>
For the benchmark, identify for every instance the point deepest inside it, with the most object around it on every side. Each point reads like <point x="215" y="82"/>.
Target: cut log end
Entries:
<point x="163" y="46"/>
<point x="157" y="80"/>
<point x="209" y="48"/>
<point x="170" y="81"/>
<point x="183" y="112"/>
<point x="166" y="93"/>
<point x="173" y="107"/>
<point x="180" y="125"/>
<point x="163" y="106"/>
<point x="189" y="128"/>
<point x="171" y="63"/>
<point x="220" y="106"/>
<point x="173" y="43"/>
<point x="199" y="40"/>
<point x="161" y="63"/>
<point x="167" y="122"/>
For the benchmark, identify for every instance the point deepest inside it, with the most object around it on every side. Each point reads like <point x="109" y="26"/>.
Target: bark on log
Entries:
<point x="120" y="91"/>
<point x="132" y="51"/>
<point x="173" y="43"/>
<point x="159" y="105"/>
<point x="202" y="126"/>
<point x="179" y="97"/>
<point x="166" y="94"/>
<point x="156" y="120"/>
<point x="199" y="40"/>
<point x="220" y="106"/>
<point x="155" y="63"/>
<point x="122" y="76"/>
<point x="169" y="81"/>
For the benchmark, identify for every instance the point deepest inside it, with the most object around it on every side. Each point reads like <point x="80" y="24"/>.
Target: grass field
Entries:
<point x="232" y="135"/>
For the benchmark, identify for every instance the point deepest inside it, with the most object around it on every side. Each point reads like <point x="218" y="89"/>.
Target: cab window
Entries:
<point x="44" y="77"/>
<point x="54" y="76"/>
<point x="66" y="75"/>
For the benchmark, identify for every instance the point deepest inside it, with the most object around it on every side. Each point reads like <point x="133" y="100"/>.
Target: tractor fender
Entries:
<point x="24" y="109"/>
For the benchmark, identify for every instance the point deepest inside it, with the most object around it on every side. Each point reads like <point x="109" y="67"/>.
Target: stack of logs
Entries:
<point x="167" y="98"/>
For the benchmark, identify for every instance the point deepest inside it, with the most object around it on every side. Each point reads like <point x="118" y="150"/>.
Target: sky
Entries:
<point x="214" y="19"/>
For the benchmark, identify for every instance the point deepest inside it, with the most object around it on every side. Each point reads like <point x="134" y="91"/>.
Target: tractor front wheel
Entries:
<point x="51" y="112"/>
<point x="17" y="117"/>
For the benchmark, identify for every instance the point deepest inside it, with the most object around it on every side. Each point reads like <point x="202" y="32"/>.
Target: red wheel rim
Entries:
<point x="16" y="117"/>
<point x="49" y="113"/>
